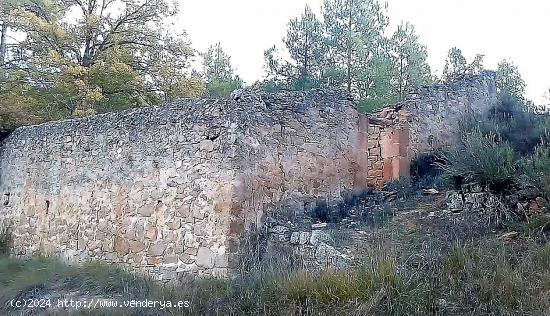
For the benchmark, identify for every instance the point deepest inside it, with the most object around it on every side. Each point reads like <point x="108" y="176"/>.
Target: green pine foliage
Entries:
<point x="346" y="48"/>
<point x="221" y="79"/>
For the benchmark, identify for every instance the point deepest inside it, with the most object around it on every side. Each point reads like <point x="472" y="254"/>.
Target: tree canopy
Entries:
<point x="109" y="55"/>
<point x="409" y="60"/>
<point x="347" y="48"/>
<point x="221" y="79"/>
<point x="304" y="42"/>
<point x="456" y="65"/>
<point x="509" y="80"/>
<point x="67" y="58"/>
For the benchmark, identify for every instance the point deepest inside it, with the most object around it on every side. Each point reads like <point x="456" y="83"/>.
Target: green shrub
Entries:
<point x="523" y="127"/>
<point x="220" y="88"/>
<point x="519" y="125"/>
<point x="5" y="239"/>
<point x="484" y="159"/>
<point x="537" y="168"/>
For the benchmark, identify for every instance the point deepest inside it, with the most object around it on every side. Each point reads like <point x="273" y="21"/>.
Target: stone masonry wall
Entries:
<point x="139" y="188"/>
<point x="169" y="190"/>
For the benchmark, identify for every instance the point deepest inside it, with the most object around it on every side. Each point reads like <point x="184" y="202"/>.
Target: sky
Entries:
<point x="499" y="29"/>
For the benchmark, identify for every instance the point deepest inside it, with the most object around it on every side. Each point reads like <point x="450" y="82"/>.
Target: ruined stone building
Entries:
<point x="170" y="190"/>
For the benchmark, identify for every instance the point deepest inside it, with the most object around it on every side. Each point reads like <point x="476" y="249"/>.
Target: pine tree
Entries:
<point x="220" y="76"/>
<point x="356" y="43"/>
<point x="304" y="43"/>
<point x="217" y="63"/>
<point x="409" y="61"/>
<point x="456" y="65"/>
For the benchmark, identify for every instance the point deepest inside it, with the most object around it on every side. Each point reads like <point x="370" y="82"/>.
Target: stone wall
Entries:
<point x="170" y="190"/>
<point x="136" y="187"/>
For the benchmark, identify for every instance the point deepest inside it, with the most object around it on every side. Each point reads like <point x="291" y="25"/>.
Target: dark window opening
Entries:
<point x="6" y="199"/>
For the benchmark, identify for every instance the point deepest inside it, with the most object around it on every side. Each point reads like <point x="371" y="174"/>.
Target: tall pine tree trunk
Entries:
<point x="3" y="43"/>
<point x="3" y="49"/>
<point x="401" y="75"/>
<point x="349" y="45"/>
<point x="305" y="74"/>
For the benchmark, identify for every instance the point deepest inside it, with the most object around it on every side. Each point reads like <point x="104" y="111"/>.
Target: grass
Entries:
<point x="43" y="274"/>
<point x="415" y="269"/>
<point x="537" y="168"/>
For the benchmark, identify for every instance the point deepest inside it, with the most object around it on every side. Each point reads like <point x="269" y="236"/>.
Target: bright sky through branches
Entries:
<point x="500" y="29"/>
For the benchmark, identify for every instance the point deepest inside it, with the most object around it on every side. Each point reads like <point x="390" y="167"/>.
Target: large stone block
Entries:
<point x="122" y="246"/>
<point x="157" y="249"/>
<point x="136" y="246"/>
<point x="205" y="258"/>
<point x="147" y="210"/>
